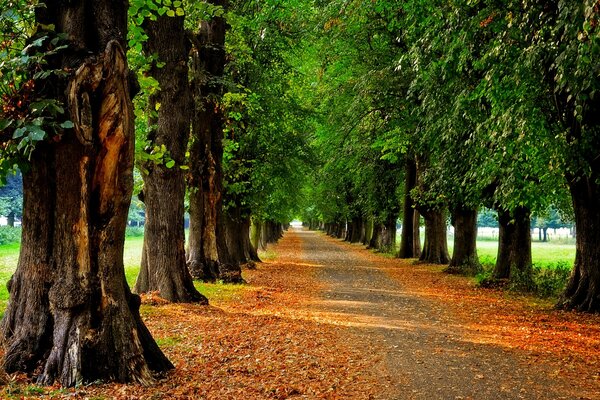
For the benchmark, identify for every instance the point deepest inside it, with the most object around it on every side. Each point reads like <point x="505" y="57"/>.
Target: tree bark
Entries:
<point x="464" y="257"/>
<point x="407" y="246"/>
<point x="71" y="316"/>
<point x="357" y="226"/>
<point x="435" y="249"/>
<point x="163" y="267"/>
<point x="583" y="289"/>
<point x="208" y="257"/>
<point x="375" y="242"/>
<point x="513" y="262"/>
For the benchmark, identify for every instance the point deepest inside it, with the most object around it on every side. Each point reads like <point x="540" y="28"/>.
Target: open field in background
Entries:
<point x="9" y="256"/>
<point x="544" y="255"/>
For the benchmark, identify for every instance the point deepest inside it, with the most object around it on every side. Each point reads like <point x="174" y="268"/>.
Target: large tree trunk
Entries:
<point x="407" y="236"/>
<point x="513" y="262"/>
<point x="163" y="266"/>
<point x="208" y="256"/>
<point x="375" y="241"/>
<point x="250" y="252"/>
<point x="583" y="290"/>
<point x="464" y="257"/>
<point x="71" y="316"/>
<point x="435" y="249"/>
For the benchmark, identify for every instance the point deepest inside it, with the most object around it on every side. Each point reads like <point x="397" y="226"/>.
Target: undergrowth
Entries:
<point x="549" y="279"/>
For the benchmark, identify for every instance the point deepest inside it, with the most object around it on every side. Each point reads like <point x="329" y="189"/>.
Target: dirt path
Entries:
<point x="426" y="349"/>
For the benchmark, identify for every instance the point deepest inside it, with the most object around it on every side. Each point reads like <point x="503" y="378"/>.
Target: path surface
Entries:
<point x="426" y="351"/>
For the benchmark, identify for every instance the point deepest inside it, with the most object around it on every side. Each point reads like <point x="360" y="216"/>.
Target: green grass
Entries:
<point x="542" y="253"/>
<point x="132" y="255"/>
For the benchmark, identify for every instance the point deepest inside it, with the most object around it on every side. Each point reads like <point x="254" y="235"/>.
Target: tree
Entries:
<point x="163" y="266"/>
<point x="209" y="257"/>
<point x="71" y="316"/>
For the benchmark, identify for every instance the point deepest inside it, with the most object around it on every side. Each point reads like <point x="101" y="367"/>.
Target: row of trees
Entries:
<point x="213" y="124"/>
<point x="434" y="109"/>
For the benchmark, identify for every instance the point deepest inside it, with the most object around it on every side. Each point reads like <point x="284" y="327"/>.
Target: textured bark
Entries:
<point x="435" y="249"/>
<point x="237" y="233"/>
<point x="208" y="256"/>
<point x="407" y="239"/>
<point x="256" y="235"/>
<point x="71" y="316"/>
<point x="583" y="290"/>
<point x="163" y="267"/>
<point x="513" y="262"/>
<point x="464" y="257"/>
<point x="250" y="251"/>
<point x="368" y="232"/>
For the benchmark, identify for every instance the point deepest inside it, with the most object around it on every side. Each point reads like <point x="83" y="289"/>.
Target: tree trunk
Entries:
<point x="375" y="241"/>
<point x="416" y="234"/>
<point x="357" y="225"/>
<point x="545" y="239"/>
<point x="464" y="257"/>
<point x="208" y="257"/>
<point x="256" y="235"/>
<point x="10" y="219"/>
<point x="583" y="290"/>
<point x="249" y="250"/>
<point x="513" y="262"/>
<point x="435" y="250"/>
<point x="368" y="232"/>
<point x="407" y="238"/>
<point x="163" y="266"/>
<point x="71" y="316"/>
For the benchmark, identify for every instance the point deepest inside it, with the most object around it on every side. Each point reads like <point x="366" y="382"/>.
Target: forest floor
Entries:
<point x="324" y="319"/>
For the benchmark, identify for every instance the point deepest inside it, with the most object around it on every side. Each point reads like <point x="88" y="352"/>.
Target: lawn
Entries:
<point x="9" y="256"/>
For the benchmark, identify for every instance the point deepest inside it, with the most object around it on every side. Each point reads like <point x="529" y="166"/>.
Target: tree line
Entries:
<point x="247" y="113"/>
<point x="436" y="110"/>
<point x="184" y="105"/>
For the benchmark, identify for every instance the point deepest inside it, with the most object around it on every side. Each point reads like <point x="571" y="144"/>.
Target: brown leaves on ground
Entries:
<point x="262" y="347"/>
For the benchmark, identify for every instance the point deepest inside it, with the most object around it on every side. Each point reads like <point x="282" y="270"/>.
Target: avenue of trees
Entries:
<point x="353" y="114"/>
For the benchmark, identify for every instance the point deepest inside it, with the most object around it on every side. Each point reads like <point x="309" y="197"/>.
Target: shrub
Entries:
<point x="10" y="235"/>
<point x="134" y="231"/>
<point x="551" y="279"/>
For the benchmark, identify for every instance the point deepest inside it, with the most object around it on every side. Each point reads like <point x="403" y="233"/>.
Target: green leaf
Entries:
<point x="170" y="164"/>
<point x="67" y="125"/>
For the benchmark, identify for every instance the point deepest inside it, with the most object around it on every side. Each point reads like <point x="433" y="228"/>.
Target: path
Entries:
<point x="425" y="349"/>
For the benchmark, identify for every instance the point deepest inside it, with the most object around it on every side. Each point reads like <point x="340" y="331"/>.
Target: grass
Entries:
<point x="132" y="255"/>
<point x="542" y="253"/>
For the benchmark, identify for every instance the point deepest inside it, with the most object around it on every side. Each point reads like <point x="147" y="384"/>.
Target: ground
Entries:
<point x="327" y="319"/>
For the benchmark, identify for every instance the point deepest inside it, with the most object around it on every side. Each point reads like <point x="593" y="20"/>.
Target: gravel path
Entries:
<point x="425" y="350"/>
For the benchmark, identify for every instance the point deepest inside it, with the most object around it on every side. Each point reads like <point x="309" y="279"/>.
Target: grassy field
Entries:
<point x="544" y="254"/>
<point x="9" y="256"/>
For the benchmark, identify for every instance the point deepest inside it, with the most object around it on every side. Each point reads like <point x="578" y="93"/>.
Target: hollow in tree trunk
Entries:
<point x="71" y="316"/>
<point x="163" y="267"/>
<point x="464" y="257"/>
<point x="583" y="289"/>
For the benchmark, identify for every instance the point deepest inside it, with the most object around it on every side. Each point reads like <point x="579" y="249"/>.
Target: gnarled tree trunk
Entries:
<point x="71" y="316"/>
<point x="464" y="257"/>
<point x="163" y="266"/>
